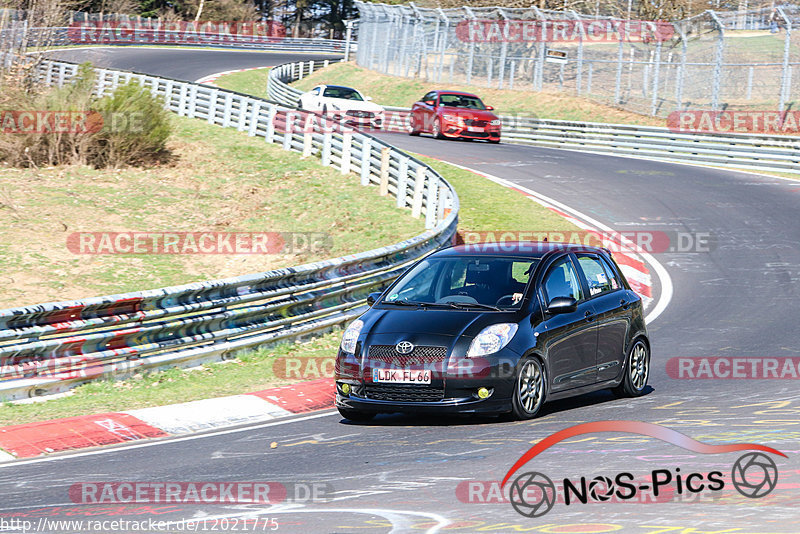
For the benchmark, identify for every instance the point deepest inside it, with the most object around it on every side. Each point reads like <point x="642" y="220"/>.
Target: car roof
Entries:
<point x="528" y="249"/>
<point x="459" y="93"/>
<point x="339" y="87"/>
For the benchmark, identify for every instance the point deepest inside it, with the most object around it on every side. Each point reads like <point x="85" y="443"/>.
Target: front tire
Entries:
<point x="529" y="389"/>
<point x="637" y="371"/>
<point x="437" y="129"/>
<point x="355" y="415"/>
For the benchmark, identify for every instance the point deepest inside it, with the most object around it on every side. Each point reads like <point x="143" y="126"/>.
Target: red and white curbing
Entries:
<point x="46" y="437"/>
<point x="211" y="78"/>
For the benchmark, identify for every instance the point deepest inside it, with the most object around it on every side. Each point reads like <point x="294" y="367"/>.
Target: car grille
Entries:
<point x="402" y="393"/>
<point x="359" y="113"/>
<point x="421" y="355"/>
<point x="476" y="122"/>
<point x="477" y="134"/>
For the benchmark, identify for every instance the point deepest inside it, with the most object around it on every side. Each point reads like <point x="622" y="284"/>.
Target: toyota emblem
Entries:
<point x="404" y="347"/>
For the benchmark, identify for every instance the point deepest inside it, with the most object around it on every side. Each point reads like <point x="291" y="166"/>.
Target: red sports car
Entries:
<point x="456" y="115"/>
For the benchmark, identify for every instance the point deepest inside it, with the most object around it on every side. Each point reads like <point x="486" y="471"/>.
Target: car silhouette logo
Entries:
<point x="404" y="347"/>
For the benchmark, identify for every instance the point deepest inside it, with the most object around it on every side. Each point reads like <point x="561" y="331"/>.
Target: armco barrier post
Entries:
<point x="431" y="202"/>
<point x="366" y="150"/>
<point x="402" y="182"/>
<point x="255" y="112"/>
<point x="385" y="153"/>
<point x="419" y="187"/>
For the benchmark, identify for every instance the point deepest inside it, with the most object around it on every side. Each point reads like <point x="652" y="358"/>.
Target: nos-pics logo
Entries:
<point x="533" y="494"/>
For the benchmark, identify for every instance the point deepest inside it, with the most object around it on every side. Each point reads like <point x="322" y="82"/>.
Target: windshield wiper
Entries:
<point x="466" y="305"/>
<point x="405" y="303"/>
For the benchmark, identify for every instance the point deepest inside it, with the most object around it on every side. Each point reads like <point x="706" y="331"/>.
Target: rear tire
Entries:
<point x="529" y="389"/>
<point x="355" y="415"/>
<point x="637" y="371"/>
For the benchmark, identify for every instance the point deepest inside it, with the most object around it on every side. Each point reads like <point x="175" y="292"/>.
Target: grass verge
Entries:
<point x="250" y="82"/>
<point x="219" y="180"/>
<point x="396" y="91"/>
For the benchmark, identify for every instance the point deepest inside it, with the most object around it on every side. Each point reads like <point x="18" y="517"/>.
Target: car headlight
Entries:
<point x="495" y="122"/>
<point x="350" y="336"/>
<point x="491" y="339"/>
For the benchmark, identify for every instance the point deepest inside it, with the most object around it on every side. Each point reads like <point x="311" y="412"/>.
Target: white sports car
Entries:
<point x="343" y="103"/>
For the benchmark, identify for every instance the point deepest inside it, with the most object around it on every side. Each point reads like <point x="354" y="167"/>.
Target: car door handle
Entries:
<point x="625" y="304"/>
<point x="589" y="316"/>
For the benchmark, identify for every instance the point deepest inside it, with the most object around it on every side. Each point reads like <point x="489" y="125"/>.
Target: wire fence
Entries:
<point x="717" y="60"/>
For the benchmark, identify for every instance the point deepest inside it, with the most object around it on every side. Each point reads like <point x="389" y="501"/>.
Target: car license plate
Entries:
<point x="474" y="129"/>
<point x="402" y="376"/>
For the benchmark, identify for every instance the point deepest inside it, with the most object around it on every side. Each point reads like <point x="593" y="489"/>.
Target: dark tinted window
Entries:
<point x="342" y="92"/>
<point x="597" y="277"/>
<point x="494" y="281"/>
<point x="562" y="281"/>
<point x="461" y="101"/>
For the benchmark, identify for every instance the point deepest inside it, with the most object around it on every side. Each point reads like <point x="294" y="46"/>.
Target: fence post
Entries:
<point x="288" y="132"/>
<point x="419" y="187"/>
<point x="579" y="77"/>
<point x="308" y="135"/>
<point x="471" y="59"/>
<point x="656" y="72"/>
<point x="501" y="69"/>
<point x="718" y="57"/>
<point x="620" y="54"/>
<point x="366" y="157"/>
<point x="348" y="24"/>
<point x="681" y="67"/>
<point x="786" y="69"/>
<point x="442" y="44"/>
<point x="385" y="153"/>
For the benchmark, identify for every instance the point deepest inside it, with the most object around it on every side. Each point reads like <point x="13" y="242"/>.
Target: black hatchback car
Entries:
<point x="494" y="328"/>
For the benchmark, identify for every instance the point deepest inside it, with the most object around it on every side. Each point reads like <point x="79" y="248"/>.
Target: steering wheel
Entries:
<point x="504" y="297"/>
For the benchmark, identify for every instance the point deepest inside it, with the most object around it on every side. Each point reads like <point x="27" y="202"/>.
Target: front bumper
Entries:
<point x="491" y="133"/>
<point x="452" y="390"/>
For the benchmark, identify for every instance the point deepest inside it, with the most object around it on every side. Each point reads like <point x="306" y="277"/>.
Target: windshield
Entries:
<point x="342" y="92"/>
<point x="465" y="281"/>
<point x="461" y="101"/>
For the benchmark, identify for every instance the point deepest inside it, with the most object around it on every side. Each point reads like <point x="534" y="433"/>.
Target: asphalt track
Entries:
<point x="407" y="474"/>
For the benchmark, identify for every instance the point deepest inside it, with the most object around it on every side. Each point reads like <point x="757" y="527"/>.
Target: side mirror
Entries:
<point x="489" y="108"/>
<point x="430" y="102"/>
<point x="368" y="98"/>
<point x="372" y="297"/>
<point x="562" y="305"/>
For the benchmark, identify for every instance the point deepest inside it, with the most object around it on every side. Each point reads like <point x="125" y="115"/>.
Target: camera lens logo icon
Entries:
<point x="754" y="475"/>
<point x="532" y="494"/>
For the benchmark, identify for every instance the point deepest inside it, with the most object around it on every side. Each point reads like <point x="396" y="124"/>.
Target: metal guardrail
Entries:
<point x="738" y="151"/>
<point x="50" y="347"/>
